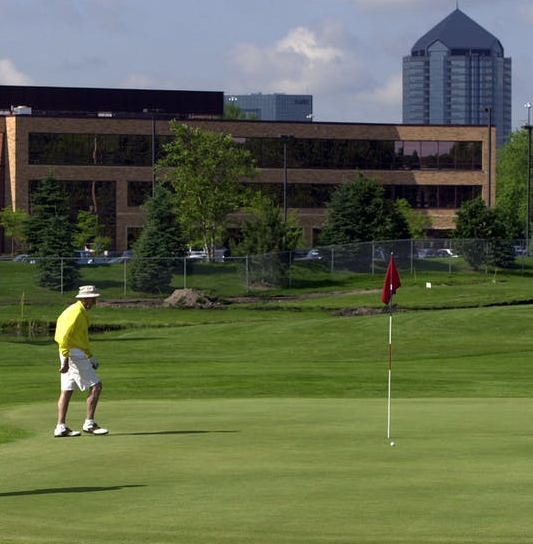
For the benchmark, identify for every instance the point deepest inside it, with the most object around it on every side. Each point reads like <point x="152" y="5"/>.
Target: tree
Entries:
<point x="417" y="221"/>
<point x="511" y="173"/>
<point x="264" y="230"/>
<point x="90" y="232"/>
<point x="476" y="222"/>
<point x="267" y="237"/>
<point x="159" y="246"/>
<point x="204" y="168"/>
<point x="13" y="222"/>
<point x="231" y="111"/>
<point x="50" y="236"/>
<point x="359" y="212"/>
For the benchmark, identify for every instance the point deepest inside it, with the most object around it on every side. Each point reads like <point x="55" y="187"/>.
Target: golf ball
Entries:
<point x="393" y="443"/>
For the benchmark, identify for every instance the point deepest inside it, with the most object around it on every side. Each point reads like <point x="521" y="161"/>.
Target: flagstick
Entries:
<point x="390" y="368"/>
<point x="392" y="282"/>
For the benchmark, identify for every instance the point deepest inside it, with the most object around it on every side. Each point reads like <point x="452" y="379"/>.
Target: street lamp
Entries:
<point x="489" y="169"/>
<point x="285" y="139"/>
<point x="528" y="178"/>
<point x="153" y="112"/>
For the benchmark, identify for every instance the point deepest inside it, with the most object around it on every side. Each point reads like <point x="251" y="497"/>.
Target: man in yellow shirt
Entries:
<point x="77" y="363"/>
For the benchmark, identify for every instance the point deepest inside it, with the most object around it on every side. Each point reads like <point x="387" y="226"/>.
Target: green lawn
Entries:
<point x="289" y="471"/>
<point x="266" y="422"/>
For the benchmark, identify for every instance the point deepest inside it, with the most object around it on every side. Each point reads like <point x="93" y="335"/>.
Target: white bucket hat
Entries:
<point x="88" y="291"/>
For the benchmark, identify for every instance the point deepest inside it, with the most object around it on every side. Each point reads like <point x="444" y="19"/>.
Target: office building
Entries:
<point x="105" y="162"/>
<point x="457" y="74"/>
<point x="274" y="107"/>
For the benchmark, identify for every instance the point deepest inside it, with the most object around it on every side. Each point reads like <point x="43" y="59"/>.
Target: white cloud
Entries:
<point x="303" y="61"/>
<point x="304" y="42"/>
<point x="9" y="75"/>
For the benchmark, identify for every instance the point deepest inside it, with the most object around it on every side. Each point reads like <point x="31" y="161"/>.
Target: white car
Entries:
<point x="197" y="255"/>
<point x="445" y="252"/>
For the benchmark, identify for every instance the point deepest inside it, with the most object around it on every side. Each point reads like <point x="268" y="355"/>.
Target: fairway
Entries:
<point x="287" y="471"/>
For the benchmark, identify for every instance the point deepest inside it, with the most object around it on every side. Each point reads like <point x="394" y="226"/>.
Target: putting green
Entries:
<point x="266" y="471"/>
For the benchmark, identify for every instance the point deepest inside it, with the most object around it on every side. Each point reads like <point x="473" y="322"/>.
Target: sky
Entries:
<point x="346" y="53"/>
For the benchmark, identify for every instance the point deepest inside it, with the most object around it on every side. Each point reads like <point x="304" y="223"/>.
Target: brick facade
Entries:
<point x="17" y="172"/>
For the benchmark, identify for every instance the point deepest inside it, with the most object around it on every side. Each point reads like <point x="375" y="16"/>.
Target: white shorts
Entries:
<point x="80" y="375"/>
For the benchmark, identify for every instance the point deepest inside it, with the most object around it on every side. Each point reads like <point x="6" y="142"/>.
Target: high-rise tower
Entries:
<point x="457" y="74"/>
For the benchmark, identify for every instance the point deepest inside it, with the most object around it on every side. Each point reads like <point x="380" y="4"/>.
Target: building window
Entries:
<point x="138" y="192"/>
<point x="93" y="149"/>
<point x="365" y="154"/>
<point x="434" y="196"/>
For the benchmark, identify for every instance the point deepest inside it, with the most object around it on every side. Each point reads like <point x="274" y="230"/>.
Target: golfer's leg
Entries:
<point x="62" y="406"/>
<point x="92" y="399"/>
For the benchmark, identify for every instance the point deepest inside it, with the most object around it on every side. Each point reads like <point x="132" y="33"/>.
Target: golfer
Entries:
<point x="77" y="363"/>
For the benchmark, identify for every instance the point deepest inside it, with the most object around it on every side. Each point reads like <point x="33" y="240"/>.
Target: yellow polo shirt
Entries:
<point x="72" y="330"/>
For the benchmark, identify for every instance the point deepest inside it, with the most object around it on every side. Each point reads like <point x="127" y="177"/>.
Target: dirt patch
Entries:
<point x="194" y="298"/>
<point x="190" y="298"/>
<point x="347" y="312"/>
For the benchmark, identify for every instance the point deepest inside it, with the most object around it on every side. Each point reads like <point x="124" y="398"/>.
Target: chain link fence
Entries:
<point x="298" y="268"/>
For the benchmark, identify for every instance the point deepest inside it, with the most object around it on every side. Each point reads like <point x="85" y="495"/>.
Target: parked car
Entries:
<point x="125" y="257"/>
<point x="222" y="254"/>
<point x="424" y="253"/>
<point x="24" y="258"/>
<point x="380" y="253"/>
<point x="197" y="255"/>
<point x="85" y="256"/>
<point x="445" y="252"/>
<point x="306" y="255"/>
<point x="520" y="251"/>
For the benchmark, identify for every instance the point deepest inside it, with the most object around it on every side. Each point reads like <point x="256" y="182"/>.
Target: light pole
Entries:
<point x="153" y="112"/>
<point x="489" y="169"/>
<point x="528" y="177"/>
<point x="285" y="139"/>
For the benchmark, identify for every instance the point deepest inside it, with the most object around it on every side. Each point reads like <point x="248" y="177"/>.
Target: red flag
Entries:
<point x="392" y="282"/>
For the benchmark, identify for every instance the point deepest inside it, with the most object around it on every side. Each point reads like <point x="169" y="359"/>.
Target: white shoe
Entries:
<point x="65" y="432"/>
<point x="94" y="428"/>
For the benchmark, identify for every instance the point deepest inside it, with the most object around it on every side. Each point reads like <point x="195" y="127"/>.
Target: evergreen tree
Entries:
<point x="49" y="234"/>
<point x="359" y="212"/>
<point x="160" y="245"/>
<point x="476" y="222"/>
<point x="267" y="238"/>
<point x="264" y="230"/>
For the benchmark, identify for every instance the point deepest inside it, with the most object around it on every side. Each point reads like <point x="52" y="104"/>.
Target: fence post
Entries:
<point x="125" y="277"/>
<point x="246" y="275"/>
<point x="61" y="275"/>
<point x="185" y="272"/>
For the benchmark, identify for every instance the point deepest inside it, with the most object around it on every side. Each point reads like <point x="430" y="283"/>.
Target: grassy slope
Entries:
<point x="246" y="426"/>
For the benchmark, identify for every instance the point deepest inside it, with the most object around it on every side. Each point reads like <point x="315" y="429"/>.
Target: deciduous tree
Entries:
<point x="511" y="177"/>
<point x="13" y="222"/>
<point x="205" y="169"/>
